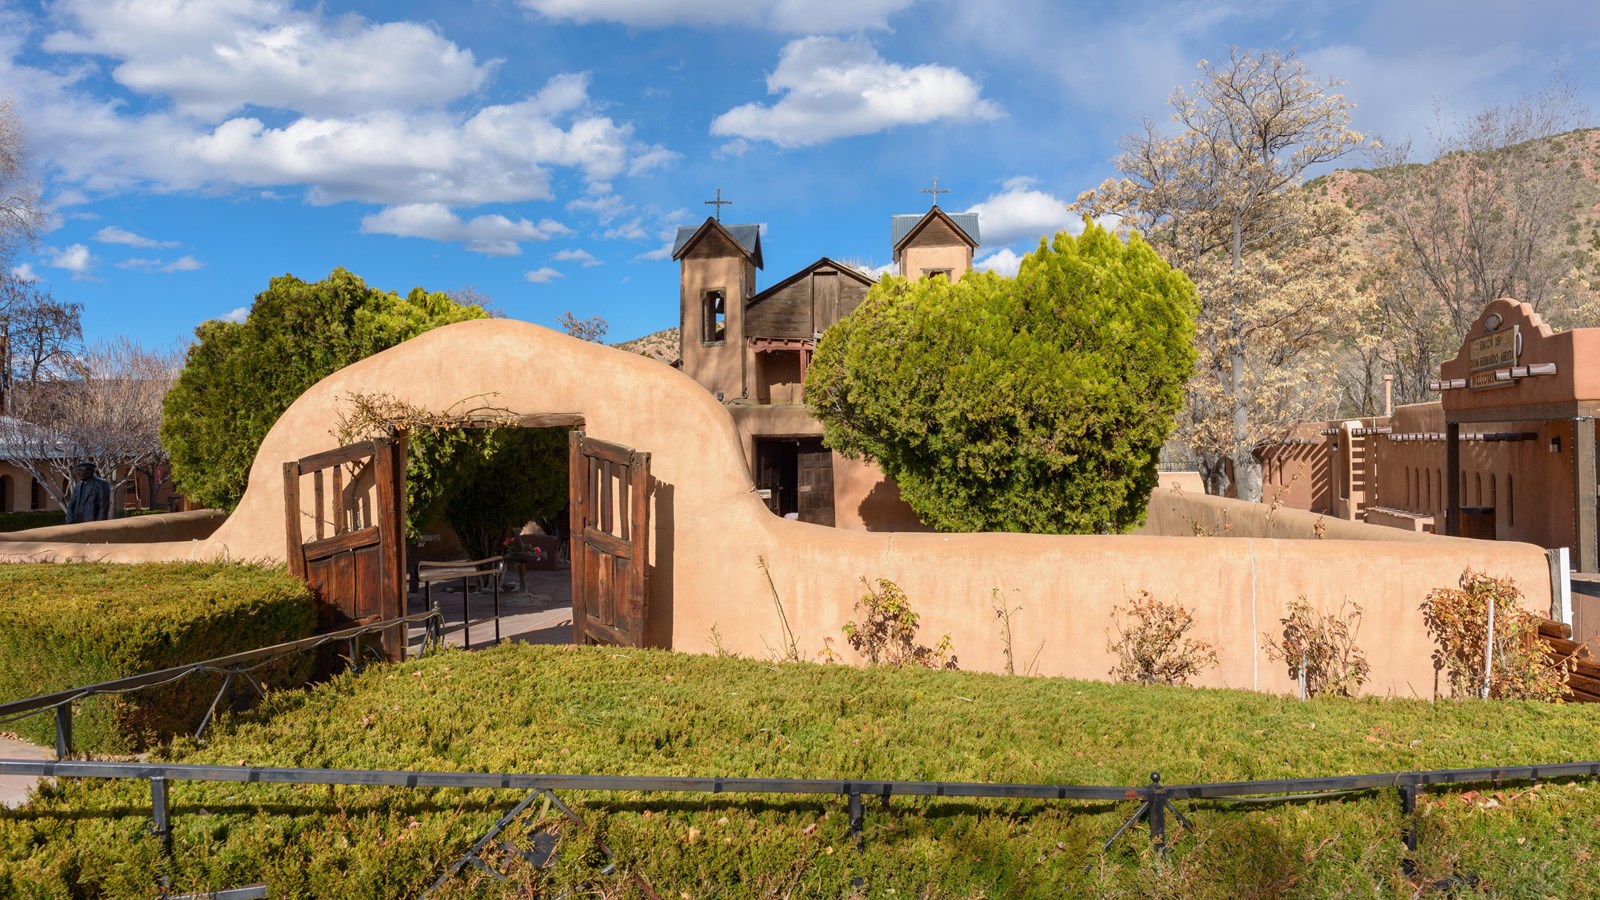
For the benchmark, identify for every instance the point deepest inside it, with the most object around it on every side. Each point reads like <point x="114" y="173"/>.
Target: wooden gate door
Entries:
<point x="610" y="510"/>
<point x="816" y="483"/>
<point x="355" y="558"/>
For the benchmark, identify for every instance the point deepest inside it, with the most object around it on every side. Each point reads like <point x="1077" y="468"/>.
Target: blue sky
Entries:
<point x="543" y="151"/>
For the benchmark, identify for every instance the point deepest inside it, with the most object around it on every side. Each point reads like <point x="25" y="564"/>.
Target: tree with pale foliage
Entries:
<point x="106" y="410"/>
<point x="1275" y="266"/>
<point x="20" y="216"/>
<point x="592" y="329"/>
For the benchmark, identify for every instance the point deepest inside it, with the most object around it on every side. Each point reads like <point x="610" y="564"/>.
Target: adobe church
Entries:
<point x="751" y="349"/>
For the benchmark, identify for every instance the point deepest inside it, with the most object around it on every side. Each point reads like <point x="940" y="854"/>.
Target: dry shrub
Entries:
<point x="1458" y="620"/>
<point x="888" y="636"/>
<point x="1322" y="649"/>
<point x="1150" y="647"/>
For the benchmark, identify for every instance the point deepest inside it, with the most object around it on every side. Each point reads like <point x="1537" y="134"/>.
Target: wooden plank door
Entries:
<point x="349" y="545"/>
<point x="816" y="483"/>
<point x="610" y="508"/>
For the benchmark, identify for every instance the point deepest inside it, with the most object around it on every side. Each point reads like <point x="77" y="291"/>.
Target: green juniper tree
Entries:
<point x="239" y="377"/>
<point x="1037" y="403"/>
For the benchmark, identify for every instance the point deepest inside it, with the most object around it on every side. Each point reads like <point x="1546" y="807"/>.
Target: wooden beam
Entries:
<point x="1587" y="551"/>
<point x="1533" y="412"/>
<point x="577" y="481"/>
<point x="391" y="525"/>
<point x="1452" y="465"/>
<point x="291" y="512"/>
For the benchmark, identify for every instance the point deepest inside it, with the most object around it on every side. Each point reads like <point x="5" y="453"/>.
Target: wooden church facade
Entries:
<point x="753" y="349"/>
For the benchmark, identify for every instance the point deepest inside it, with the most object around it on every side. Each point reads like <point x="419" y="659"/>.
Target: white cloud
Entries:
<point x="543" y="275"/>
<point x="632" y="230"/>
<point x="1001" y="262"/>
<point x="237" y="316"/>
<point x="493" y="235"/>
<point x="654" y="156"/>
<point x="75" y="259"/>
<point x="215" y="57"/>
<point x="809" y="16"/>
<point x="500" y="153"/>
<point x="24" y="272"/>
<point x="114" y="235"/>
<point x="606" y="207"/>
<point x="1019" y="212"/>
<point x="732" y="149"/>
<point x="578" y="256"/>
<point x="662" y="252"/>
<point x="833" y="88"/>
<point x="181" y="264"/>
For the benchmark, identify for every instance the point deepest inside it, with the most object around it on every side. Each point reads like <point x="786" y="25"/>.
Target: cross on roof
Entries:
<point x="935" y="190"/>
<point x="719" y="203"/>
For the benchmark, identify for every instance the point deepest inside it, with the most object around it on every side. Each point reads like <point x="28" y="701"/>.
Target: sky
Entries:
<point x="543" y="152"/>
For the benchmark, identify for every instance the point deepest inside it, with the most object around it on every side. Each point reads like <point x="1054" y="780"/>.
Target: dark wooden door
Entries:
<point x="816" y="483"/>
<point x="776" y="473"/>
<point x="355" y="558"/>
<point x="610" y="508"/>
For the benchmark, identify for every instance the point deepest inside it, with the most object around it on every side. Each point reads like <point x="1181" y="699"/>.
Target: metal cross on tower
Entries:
<point x="935" y="191"/>
<point x="719" y="203"/>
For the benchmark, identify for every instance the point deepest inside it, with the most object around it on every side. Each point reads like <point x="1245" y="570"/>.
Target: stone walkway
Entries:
<point x="14" y="788"/>
<point x="538" y="612"/>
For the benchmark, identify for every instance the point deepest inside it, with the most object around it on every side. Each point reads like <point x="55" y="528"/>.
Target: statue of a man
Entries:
<point x="90" y="500"/>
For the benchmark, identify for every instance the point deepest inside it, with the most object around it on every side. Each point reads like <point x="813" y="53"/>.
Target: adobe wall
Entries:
<point x="721" y="365"/>
<point x="1296" y="471"/>
<point x="917" y="259"/>
<point x="1182" y="513"/>
<point x="195" y="525"/>
<point x="864" y="499"/>
<point x="710" y="532"/>
<point x="1529" y="486"/>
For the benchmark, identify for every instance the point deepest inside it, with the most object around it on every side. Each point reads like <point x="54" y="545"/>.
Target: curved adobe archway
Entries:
<point x="711" y="534"/>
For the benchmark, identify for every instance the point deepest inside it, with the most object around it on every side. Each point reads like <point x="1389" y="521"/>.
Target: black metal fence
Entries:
<point x="1155" y="799"/>
<point x="237" y="666"/>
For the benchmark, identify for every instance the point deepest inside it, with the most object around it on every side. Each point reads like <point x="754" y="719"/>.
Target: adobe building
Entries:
<point x="1507" y="453"/>
<point x="751" y="349"/>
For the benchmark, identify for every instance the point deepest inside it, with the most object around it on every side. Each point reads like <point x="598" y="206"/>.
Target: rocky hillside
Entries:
<point x="1558" y="178"/>
<point x="661" y="346"/>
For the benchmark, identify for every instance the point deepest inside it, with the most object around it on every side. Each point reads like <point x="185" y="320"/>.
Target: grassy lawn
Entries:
<point x="601" y="710"/>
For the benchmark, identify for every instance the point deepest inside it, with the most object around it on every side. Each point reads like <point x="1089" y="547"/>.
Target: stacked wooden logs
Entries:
<point x="1583" y="684"/>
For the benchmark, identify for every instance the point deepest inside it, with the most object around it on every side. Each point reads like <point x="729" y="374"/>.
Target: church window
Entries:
<point x="714" y="318"/>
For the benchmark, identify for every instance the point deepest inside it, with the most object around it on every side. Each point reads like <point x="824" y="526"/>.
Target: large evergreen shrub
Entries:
<point x="239" y="377"/>
<point x="1037" y="403"/>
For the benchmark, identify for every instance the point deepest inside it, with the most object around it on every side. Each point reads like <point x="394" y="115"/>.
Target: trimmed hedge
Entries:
<point x="76" y="624"/>
<point x="24" y="520"/>
<point x="605" y="710"/>
<point x="33" y="518"/>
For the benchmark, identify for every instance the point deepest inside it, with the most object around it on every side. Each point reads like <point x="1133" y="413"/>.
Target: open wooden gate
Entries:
<point x="610" y="510"/>
<point x="357" y="570"/>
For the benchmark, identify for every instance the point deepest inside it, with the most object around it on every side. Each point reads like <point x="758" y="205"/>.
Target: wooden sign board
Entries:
<point x="1495" y="350"/>
<point x="1479" y="381"/>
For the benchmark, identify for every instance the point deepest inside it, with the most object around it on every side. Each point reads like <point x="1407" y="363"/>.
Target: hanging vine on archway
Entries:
<point x="471" y="464"/>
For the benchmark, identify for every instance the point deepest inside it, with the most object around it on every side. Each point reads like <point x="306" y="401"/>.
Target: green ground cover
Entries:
<point x="76" y="624"/>
<point x="604" y="710"/>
